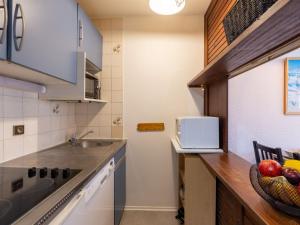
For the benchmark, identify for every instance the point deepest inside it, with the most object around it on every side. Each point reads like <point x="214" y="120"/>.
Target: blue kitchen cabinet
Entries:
<point x="43" y="36"/>
<point x="90" y="40"/>
<point x="3" y="28"/>
<point x="120" y="185"/>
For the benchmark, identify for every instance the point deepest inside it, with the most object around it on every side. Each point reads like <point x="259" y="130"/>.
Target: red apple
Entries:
<point x="270" y="168"/>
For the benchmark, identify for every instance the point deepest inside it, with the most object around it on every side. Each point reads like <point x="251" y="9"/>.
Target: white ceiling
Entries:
<point x="122" y="8"/>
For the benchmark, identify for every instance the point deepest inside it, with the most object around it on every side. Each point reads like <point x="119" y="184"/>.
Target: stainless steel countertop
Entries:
<point x="62" y="156"/>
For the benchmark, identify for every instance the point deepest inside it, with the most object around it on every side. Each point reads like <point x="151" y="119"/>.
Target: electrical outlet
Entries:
<point x="18" y="130"/>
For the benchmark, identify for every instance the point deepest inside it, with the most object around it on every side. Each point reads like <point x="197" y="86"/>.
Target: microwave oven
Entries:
<point x="198" y="132"/>
<point x="92" y="86"/>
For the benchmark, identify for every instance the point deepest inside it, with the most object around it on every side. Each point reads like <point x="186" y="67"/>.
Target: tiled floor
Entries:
<point x="148" y="218"/>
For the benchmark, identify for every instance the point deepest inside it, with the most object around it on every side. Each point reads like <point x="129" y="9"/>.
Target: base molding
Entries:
<point x="151" y="208"/>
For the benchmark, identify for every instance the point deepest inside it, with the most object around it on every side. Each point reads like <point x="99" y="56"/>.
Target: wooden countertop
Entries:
<point x="233" y="172"/>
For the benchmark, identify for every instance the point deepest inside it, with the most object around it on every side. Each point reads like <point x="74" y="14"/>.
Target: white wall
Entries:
<point x="161" y="54"/>
<point x="256" y="110"/>
<point x="43" y="127"/>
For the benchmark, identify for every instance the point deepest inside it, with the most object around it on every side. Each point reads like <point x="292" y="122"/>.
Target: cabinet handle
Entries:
<point x="18" y="39"/>
<point x="103" y="179"/>
<point x="80" y="33"/>
<point x="3" y="29"/>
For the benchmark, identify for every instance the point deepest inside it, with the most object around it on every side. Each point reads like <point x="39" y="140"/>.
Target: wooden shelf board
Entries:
<point x="180" y="150"/>
<point x="95" y="100"/>
<point x="279" y="25"/>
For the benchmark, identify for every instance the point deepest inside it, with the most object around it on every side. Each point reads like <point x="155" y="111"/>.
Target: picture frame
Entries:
<point x="292" y="86"/>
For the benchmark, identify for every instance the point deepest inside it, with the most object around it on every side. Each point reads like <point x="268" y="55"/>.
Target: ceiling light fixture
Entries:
<point x="167" y="7"/>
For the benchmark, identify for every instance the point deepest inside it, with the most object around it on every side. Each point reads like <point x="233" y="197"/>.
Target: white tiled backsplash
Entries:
<point x="95" y="117"/>
<point x="43" y="127"/>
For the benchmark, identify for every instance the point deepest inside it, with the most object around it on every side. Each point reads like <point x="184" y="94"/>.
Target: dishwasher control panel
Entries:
<point x="99" y="180"/>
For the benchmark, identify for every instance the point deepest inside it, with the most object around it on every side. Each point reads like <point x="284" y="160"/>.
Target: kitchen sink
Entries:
<point x="93" y="143"/>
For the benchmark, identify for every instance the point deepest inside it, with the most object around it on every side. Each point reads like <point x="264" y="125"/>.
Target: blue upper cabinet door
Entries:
<point x="43" y="36"/>
<point x="3" y="28"/>
<point x="90" y="40"/>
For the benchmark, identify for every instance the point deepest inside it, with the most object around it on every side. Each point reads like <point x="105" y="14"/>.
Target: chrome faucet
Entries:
<point x="74" y="140"/>
<point x="86" y="134"/>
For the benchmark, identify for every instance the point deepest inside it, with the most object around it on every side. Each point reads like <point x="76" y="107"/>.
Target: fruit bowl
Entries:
<point x="255" y="178"/>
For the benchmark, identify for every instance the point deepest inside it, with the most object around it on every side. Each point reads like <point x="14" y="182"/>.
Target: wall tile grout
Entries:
<point x="31" y="112"/>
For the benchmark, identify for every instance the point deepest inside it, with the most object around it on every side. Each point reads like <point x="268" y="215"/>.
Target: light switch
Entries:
<point x="18" y="130"/>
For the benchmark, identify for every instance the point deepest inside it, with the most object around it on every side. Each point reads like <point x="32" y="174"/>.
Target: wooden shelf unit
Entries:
<point x="274" y="33"/>
<point x="198" y="189"/>
<point x="276" y="27"/>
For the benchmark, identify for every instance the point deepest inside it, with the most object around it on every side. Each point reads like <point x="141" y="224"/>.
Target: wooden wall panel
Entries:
<point x="216" y="104"/>
<point x="216" y="94"/>
<point x="215" y="39"/>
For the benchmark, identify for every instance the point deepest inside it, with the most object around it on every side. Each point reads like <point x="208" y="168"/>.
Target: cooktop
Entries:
<point x="21" y="189"/>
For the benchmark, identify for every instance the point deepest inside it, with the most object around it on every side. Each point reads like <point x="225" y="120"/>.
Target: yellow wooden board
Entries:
<point x="144" y="127"/>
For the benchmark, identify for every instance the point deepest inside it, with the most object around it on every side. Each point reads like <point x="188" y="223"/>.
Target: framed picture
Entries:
<point x="292" y="86"/>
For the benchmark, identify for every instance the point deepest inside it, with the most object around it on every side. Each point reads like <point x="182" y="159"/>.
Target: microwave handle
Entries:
<point x="97" y="89"/>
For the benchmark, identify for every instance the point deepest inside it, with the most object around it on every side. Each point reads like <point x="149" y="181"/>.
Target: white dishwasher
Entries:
<point x="94" y="204"/>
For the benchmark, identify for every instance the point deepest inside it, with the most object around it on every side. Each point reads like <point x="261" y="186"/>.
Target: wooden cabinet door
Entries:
<point x="43" y="36"/>
<point x="3" y="28"/>
<point x="247" y="221"/>
<point x="90" y="40"/>
<point x="229" y="210"/>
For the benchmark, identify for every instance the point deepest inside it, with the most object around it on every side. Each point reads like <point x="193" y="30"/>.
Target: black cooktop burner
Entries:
<point x="21" y="189"/>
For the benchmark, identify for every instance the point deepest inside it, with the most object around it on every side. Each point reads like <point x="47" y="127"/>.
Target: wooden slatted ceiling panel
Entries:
<point x="215" y="35"/>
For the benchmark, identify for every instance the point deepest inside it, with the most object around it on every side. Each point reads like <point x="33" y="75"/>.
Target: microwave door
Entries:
<point x="92" y="88"/>
<point x="88" y="87"/>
